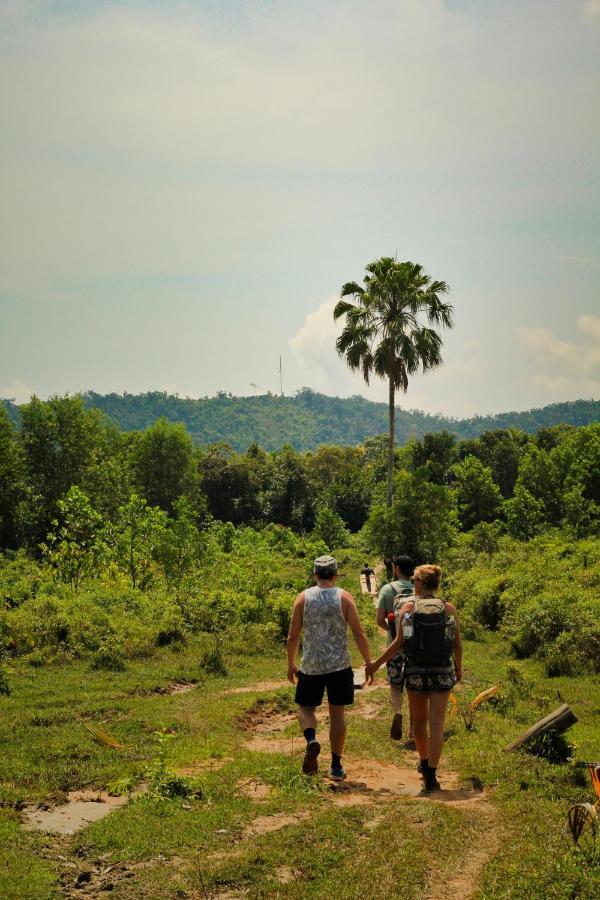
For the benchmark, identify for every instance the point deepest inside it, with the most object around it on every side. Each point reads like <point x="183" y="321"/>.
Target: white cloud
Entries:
<point x="591" y="9"/>
<point x="571" y="369"/>
<point x="318" y="332"/>
<point x="17" y="391"/>
<point x="543" y="344"/>
<point x="589" y="325"/>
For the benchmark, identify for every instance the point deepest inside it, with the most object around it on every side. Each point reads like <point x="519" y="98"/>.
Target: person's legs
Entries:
<point x="396" y="694"/>
<point x="438" y="704"/>
<point x="340" y="693"/>
<point x="309" y="695"/>
<point x="419" y="708"/>
<point x="337" y="728"/>
<point x="307" y="717"/>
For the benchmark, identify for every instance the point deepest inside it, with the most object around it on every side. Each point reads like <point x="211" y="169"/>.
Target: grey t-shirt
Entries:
<point x="388" y="594"/>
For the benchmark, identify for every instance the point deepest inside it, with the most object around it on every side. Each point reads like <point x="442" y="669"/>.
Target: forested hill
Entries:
<point x="309" y="419"/>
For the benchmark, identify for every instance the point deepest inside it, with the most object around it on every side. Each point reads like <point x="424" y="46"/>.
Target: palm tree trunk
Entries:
<point x="390" y="466"/>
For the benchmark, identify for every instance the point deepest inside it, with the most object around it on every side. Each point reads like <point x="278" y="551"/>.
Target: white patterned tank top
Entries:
<point x="325" y="639"/>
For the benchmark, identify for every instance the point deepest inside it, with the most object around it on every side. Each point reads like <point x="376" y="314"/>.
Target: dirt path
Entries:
<point x="462" y="884"/>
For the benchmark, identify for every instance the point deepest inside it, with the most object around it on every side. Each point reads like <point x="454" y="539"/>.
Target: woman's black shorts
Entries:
<point x="340" y="688"/>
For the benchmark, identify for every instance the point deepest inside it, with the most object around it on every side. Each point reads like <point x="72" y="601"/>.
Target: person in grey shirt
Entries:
<point x="401" y="586"/>
<point x="324" y="613"/>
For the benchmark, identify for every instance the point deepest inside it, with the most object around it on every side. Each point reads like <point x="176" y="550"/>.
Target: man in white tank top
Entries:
<point x="324" y="612"/>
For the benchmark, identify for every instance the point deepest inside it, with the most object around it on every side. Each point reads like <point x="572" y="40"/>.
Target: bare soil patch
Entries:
<point x="256" y="790"/>
<point x="258" y="687"/>
<point x="267" y="824"/>
<point x="366" y="710"/>
<point x="284" y="874"/>
<point x="266" y="717"/>
<point x="204" y="765"/>
<point x="461" y="882"/>
<point x="81" y="808"/>
<point x="370" y="781"/>
<point x="292" y="746"/>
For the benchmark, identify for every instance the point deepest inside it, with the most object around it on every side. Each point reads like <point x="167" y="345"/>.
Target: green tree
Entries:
<point x="420" y="522"/>
<point x="383" y="333"/>
<point x="434" y="456"/>
<point x="539" y="476"/>
<point x="163" y="465"/>
<point x="139" y="533"/>
<point x="478" y="498"/>
<point x="75" y="548"/>
<point x="63" y="445"/>
<point x="330" y="528"/>
<point x="232" y="483"/>
<point x="179" y="546"/>
<point x="288" y="497"/>
<point x="12" y="482"/>
<point x="524" y="513"/>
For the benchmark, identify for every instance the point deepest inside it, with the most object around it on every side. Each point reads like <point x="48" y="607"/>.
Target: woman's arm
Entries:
<point x="451" y="609"/>
<point x="395" y="647"/>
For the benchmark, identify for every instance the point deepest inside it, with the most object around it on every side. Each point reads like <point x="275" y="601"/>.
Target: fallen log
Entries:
<point x="559" y="720"/>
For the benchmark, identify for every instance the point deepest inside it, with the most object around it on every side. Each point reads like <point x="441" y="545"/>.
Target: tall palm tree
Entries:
<point x="383" y="333"/>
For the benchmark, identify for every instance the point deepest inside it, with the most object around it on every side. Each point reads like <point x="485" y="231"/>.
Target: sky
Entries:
<point x="185" y="186"/>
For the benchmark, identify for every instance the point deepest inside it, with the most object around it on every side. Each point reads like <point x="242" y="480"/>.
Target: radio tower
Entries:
<point x="280" y="377"/>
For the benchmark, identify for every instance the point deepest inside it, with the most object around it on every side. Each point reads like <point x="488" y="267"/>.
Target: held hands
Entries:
<point x="292" y="670"/>
<point x="370" y="669"/>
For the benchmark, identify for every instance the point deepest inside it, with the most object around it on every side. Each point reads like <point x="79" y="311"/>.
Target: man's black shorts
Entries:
<point x="340" y="688"/>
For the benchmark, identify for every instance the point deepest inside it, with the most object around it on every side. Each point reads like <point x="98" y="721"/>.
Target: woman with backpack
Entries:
<point x="429" y="636"/>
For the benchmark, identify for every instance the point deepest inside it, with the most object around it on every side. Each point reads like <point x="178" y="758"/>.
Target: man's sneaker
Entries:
<point x="420" y="768"/>
<point x="337" y="773"/>
<point x="396" y="729"/>
<point x="309" y="763"/>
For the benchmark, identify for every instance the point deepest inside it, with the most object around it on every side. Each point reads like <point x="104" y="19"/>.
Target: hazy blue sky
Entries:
<point x="186" y="185"/>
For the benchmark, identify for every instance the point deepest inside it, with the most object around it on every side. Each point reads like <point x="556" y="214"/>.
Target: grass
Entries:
<point x="196" y="847"/>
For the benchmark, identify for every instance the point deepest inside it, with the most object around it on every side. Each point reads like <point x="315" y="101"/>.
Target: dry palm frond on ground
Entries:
<point x="104" y="737"/>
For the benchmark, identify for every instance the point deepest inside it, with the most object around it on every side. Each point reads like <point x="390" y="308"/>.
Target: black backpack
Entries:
<point x="429" y="644"/>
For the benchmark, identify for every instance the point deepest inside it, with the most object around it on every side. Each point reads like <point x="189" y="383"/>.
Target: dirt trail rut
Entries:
<point x="462" y="882"/>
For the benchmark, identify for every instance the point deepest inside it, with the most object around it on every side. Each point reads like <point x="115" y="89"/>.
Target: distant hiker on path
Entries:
<point x="325" y="612"/>
<point x="390" y="599"/>
<point x="429" y="635"/>
<point x="368" y="572"/>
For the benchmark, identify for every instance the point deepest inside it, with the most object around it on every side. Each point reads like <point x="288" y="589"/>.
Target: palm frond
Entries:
<point x="483" y="696"/>
<point x="595" y="776"/>
<point x="351" y="289"/>
<point x="104" y="737"/>
<point x="580" y="816"/>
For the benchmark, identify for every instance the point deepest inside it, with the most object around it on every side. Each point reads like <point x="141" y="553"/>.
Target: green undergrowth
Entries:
<point x="542" y="596"/>
<point x="195" y="844"/>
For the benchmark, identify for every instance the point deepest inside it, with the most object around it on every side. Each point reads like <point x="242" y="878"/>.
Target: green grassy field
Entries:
<point x="252" y="824"/>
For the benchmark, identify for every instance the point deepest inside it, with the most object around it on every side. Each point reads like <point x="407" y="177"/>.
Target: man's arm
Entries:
<point x="382" y="609"/>
<point x="353" y="620"/>
<point x="293" y="641"/>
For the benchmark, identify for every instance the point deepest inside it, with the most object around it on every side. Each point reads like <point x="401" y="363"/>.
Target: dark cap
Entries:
<point x="325" y="566"/>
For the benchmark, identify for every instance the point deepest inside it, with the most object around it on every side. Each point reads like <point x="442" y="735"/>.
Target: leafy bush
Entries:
<point x="109" y="657"/>
<point x="543" y="596"/>
<point x="212" y="659"/>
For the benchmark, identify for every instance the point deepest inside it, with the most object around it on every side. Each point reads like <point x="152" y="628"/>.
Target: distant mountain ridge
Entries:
<point x="308" y="419"/>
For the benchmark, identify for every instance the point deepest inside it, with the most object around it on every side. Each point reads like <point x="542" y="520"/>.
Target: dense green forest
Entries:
<point x="92" y="504"/>
<point x="309" y="419"/>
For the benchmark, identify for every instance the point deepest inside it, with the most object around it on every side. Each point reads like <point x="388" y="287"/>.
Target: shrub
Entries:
<point x="109" y="657"/>
<point x="212" y="660"/>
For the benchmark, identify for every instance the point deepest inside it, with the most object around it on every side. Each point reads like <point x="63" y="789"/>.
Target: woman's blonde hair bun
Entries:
<point x="430" y="576"/>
